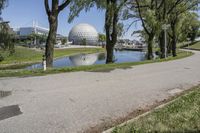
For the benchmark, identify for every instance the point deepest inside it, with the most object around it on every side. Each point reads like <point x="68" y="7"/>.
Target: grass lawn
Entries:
<point x="95" y="68"/>
<point x="195" y="46"/>
<point x="192" y="46"/>
<point x="25" y="56"/>
<point x="21" y="55"/>
<point x="180" y="116"/>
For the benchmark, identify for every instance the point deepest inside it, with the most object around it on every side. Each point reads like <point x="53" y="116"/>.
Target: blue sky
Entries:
<point x="22" y="13"/>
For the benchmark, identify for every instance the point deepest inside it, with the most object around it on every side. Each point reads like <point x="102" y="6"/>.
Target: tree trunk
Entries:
<point x="110" y="50"/>
<point x="150" y="48"/>
<point x="162" y="44"/>
<point x="108" y="21"/>
<point x="162" y="35"/>
<point x="169" y="47"/>
<point x="111" y="21"/>
<point x="51" y="40"/>
<point x="174" y="45"/>
<point x="174" y="38"/>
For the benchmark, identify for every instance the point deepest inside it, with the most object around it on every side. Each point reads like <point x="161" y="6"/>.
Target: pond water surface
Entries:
<point x="96" y="58"/>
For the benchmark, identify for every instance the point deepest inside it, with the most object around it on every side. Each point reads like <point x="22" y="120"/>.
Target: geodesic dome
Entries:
<point x="83" y="34"/>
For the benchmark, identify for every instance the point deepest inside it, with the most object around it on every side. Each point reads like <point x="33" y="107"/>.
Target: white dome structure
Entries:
<point x="83" y="34"/>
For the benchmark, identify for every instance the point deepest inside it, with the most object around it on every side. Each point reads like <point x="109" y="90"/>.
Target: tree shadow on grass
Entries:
<point x="107" y="70"/>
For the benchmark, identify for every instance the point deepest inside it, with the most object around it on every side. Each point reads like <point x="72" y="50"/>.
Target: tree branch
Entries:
<point x="46" y="3"/>
<point x="121" y="5"/>
<point x="143" y="23"/>
<point x="65" y="4"/>
<point x="174" y="6"/>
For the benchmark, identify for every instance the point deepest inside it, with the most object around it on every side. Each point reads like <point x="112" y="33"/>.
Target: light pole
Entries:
<point x="165" y="27"/>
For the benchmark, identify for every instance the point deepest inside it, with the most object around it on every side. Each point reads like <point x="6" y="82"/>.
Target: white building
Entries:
<point x="83" y="34"/>
<point x="25" y="31"/>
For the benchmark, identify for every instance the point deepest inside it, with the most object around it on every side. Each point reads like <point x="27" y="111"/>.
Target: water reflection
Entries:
<point x="84" y="59"/>
<point x="97" y="58"/>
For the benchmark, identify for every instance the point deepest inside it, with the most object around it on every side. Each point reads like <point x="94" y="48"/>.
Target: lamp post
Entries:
<point x="44" y="64"/>
<point x="165" y="27"/>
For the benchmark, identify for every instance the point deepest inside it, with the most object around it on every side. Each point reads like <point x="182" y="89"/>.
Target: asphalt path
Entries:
<point x="73" y="102"/>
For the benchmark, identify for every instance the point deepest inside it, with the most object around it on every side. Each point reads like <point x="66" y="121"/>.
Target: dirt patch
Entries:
<point x="9" y="111"/>
<point x="114" y="122"/>
<point x="99" y="128"/>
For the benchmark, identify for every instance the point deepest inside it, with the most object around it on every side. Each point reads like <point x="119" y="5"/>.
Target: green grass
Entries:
<point x="93" y="68"/>
<point x="195" y="46"/>
<point x="25" y="56"/>
<point x="187" y="45"/>
<point x="180" y="116"/>
<point x="21" y="55"/>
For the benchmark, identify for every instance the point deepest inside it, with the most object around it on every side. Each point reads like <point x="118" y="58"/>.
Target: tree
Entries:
<point x="2" y="5"/>
<point x="102" y="38"/>
<point x="194" y="26"/>
<point x="176" y="9"/>
<point x="64" y="41"/>
<point x="37" y="38"/>
<point x="153" y="14"/>
<point x="6" y="34"/>
<point x="145" y="12"/>
<point x="53" y="24"/>
<point x="113" y="9"/>
<point x="6" y="37"/>
<point x="188" y="20"/>
<point x="170" y="13"/>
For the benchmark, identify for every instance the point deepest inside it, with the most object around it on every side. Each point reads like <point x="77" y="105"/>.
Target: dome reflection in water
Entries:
<point x="97" y="58"/>
<point x="84" y="59"/>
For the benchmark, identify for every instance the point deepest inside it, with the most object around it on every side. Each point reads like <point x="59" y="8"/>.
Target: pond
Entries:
<point x="96" y="58"/>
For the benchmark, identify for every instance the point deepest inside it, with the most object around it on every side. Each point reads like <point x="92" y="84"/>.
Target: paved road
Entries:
<point x="71" y="102"/>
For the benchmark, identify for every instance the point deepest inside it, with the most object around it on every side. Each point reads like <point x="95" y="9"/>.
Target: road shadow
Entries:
<point x="108" y="70"/>
<point x="5" y="93"/>
<point x="9" y="111"/>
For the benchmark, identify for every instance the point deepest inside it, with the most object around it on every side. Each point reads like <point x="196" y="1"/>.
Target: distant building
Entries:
<point x="129" y="44"/>
<point x="25" y="31"/>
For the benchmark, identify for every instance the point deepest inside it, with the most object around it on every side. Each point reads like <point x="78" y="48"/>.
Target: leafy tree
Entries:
<point x="172" y="11"/>
<point x="145" y="11"/>
<point x="2" y="5"/>
<point x="53" y="13"/>
<point x="6" y="38"/>
<point x="155" y="13"/>
<point x="64" y="41"/>
<point x="113" y="9"/>
<point x="175" y="13"/>
<point x="6" y="34"/>
<point x="102" y="38"/>
<point x="38" y="38"/>
<point x="193" y="27"/>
